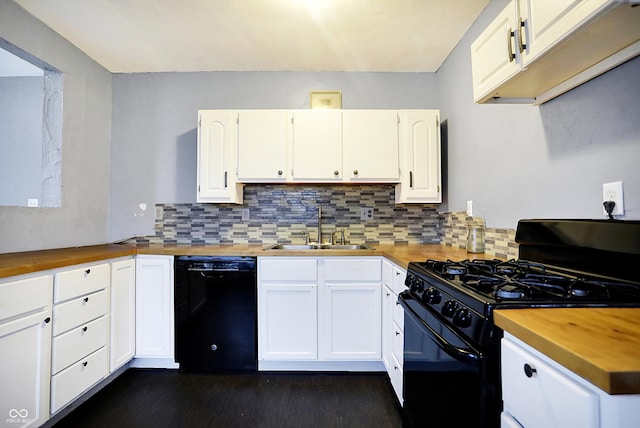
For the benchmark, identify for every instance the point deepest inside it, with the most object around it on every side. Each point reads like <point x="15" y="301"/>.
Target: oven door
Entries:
<point x="447" y="381"/>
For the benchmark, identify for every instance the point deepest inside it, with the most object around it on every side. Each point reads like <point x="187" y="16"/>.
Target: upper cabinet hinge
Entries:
<point x="398" y="117"/>
<point x="292" y="120"/>
<point x="437" y="121"/>
<point x="238" y="120"/>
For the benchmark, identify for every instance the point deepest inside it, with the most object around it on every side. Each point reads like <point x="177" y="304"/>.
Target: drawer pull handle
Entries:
<point x="84" y="328"/>
<point x="395" y="367"/>
<point x="397" y="333"/>
<point x="86" y="299"/>
<point x="529" y="371"/>
<point x="47" y="320"/>
<point x="85" y="364"/>
<point x="87" y="272"/>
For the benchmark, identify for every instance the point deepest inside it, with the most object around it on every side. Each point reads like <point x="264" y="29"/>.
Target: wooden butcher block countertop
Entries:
<point x="601" y="345"/>
<point x="33" y="261"/>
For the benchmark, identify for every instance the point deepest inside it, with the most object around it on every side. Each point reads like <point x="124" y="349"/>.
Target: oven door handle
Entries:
<point x="461" y="354"/>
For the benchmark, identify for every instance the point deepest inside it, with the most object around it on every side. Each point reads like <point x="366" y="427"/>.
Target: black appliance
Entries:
<point x="216" y="313"/>
<point x="451" y="345"/>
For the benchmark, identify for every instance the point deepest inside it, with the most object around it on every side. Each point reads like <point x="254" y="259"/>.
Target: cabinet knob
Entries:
<point x="84" y="328"/>
<point x="85" y="364"/>
<point x="355" y="172"/>
<point x="87" y="272"/>
<point x="279" y="172"/>
<point x="47" y="320"/>
<point x="529" y="371"/>
<point x="336" y="172"/>
<point x="86" y="299"/>
<point x="397" y="333"/>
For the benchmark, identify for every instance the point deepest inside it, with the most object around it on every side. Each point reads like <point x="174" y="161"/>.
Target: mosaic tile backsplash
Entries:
<point x="283" y="213"/>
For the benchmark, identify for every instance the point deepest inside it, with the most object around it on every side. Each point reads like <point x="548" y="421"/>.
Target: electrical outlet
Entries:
<point x="245" y="214"/>
<point x="32" y="202"/>
<point x="470" y="208"/>
<point x="366" y="213"/>
<point x="159" y="212"/>
<point x="613" y="192"/>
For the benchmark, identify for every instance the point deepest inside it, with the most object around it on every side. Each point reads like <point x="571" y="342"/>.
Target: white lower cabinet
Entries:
<point x="25" y="350"/>
<point x="393" y="278"/>
<point x="539" y="392"/>
<point x="123" y="313"/>
<point x="80" y="332"/>
<point x="324" y="310"/>
<point x="154" y="312"/>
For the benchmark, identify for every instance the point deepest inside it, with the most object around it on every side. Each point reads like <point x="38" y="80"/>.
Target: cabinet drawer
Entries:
<point x="397" y="343"/>
<point x="545" y="397"/>
<point x="286" y="269"/>
<point x="399" y="275"/>
<point x="395" y="374"/>
<point x="398" y="314"/>
<point x="76" y="282"/>
<point x="26" y="295"/>
<point x="346" y="269"/>
<point x="74" y="380"/>
<point x="79" y="311"/>
<point x="78" y="343"/>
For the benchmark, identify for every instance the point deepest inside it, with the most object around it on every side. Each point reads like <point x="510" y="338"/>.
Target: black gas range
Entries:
<point x="452" y="347"/>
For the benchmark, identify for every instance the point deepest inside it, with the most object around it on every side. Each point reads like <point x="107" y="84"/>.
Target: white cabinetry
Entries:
<point x="419" y="157"/>
<point x="393" y="324"/>
<point x="350" y="309"/>
<point x="287" y="308"/>
<point x="79" y="350"/>
<point x="536" y="50"/>
<point x="262" y="145"/>
<point x="154" y="312"/>
<point x="123" y="311"/>
<point x="317" y="145"/>
<point x="319" y="313"/>
<point x="540" y="393"/>
<point x="370" y="145"/>
<point x="25" y="344"/>
<point x="217" y="157"/>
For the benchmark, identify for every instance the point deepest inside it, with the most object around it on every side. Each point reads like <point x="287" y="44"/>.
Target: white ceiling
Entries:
<point x="128" y="36"/>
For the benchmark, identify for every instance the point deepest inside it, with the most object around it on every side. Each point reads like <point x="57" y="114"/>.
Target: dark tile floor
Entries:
<point x="164" y="398"/>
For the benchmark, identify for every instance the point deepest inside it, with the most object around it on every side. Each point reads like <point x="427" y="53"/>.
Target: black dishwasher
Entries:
<point x="216" y="313"/>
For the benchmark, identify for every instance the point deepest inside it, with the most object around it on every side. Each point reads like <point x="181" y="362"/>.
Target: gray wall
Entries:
<point x="21" y="139"/>
<point x="155" y="115"/>
<point x="82" y="218"/>
<point x="518" y="161"/>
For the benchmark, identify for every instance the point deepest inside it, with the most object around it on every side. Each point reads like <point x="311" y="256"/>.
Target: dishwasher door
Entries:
<point x="216" y="313"/>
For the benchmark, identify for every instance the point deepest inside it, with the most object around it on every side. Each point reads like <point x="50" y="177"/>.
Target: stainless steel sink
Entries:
<point x="294" y="247"/>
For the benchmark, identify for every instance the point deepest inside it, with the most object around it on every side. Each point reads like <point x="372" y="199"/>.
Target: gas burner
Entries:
<point x="454" y="269"/>
<point x="511" y="292"/>
<point x="482" y="282"/>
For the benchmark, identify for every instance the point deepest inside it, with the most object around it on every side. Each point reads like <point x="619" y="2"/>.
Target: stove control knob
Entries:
<point x="432" y="295"/>
<point x="449" y="308"/>
<point x="416" y="284"/>
<point x="462" y="318"/>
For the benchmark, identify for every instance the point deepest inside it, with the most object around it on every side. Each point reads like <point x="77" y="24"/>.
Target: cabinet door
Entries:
<point x="420" y="157"/>
<point x="350" y="321"/>
<point x="25" y="369"/>
<point x="387" y="326"/>
<point x="493" y="54"/>
<point x="317" y="145"/>
<point x="217" y="140"/>
<point x="547" y="398"/>
<point x="370" y="145"/>
<point x="154" y="307"/>
<point x="287" y="322"/>
<point x="542" y="24"/>
<point x="123" y="312"/>
<point x="262" y="145"/>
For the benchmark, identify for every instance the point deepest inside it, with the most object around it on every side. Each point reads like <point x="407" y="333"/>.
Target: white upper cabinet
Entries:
<point x="493" y="54"/>
<point x="419" y="157"/>
<point x="534" y="51"/>
<point x="217" y="159"/>
<point x="317" y="145"/>
<point x="370" y="145"/>
<point x="262" y="145"/>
